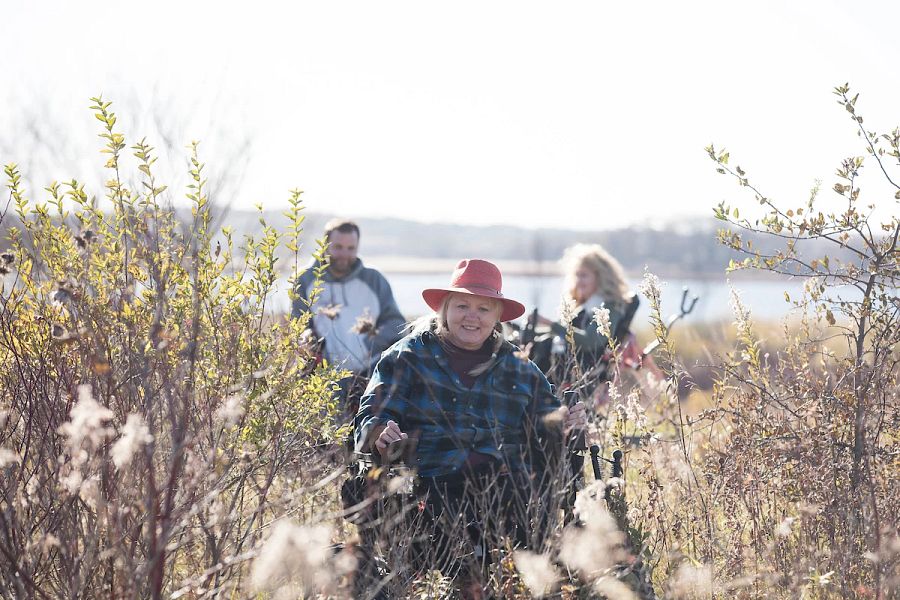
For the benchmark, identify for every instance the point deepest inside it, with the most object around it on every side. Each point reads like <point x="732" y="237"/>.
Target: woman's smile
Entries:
<point x="471" y="319"/>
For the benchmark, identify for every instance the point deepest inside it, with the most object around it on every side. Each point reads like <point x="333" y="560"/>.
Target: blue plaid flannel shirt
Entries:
<point x="414" y="385"/>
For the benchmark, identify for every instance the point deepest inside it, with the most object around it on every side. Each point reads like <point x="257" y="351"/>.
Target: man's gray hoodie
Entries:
<point x="362" y="293"/>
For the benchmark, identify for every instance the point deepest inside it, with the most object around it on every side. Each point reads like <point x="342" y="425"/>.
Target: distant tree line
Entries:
<point x="676" y="251"/>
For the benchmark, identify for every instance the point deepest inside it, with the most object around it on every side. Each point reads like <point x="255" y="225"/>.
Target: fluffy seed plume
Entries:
<point x="613" y="589"/>
<point x="135" y="434"/>
<point x="537" y="572"/>
<point x="231" y="411"/>
<point x="597" y="546"/>
<point x="89" y="491"/>
<point x="87" y="421"/>
<point x="8" y="458"/>
<point x="294" y="561"/>
<point x="691" y="582"/>
<point x="784" y="528"/>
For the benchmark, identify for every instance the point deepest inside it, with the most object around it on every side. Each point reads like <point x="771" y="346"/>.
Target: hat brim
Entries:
<point x="511" y="309"/>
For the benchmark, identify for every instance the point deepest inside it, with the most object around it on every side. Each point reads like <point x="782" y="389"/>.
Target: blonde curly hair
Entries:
<point x="611" y="283"/>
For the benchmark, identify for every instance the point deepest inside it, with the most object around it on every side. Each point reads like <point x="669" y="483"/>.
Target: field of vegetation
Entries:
<point x="163" y="436"/>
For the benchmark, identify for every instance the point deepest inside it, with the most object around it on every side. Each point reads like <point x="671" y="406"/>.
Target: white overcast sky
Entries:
<point x="544" y="114"/>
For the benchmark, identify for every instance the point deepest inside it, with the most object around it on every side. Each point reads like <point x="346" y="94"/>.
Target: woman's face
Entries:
<point x="470" y="320"/>
<point x="585" y="283"/>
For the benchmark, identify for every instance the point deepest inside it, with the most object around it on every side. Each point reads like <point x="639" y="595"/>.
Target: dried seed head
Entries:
<point x="650" y="286"/>
<point x="65" y="290"/>
<point x="331" y="311"/>
<point x="365" y="325"/>
<point x="601" y="318"/>
<point x="84" y="239"/>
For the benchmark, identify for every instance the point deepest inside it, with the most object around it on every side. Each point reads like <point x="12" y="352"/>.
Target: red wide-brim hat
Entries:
<point x="479" y="278"/>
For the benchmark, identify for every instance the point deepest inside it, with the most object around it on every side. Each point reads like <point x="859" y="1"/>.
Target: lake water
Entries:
<point x="765" y="298"/>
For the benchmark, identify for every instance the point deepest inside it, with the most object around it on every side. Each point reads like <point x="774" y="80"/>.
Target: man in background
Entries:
<point x="354" y="315"/>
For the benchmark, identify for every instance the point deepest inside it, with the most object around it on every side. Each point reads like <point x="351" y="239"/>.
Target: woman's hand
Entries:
<point x="390" y="434"/>
<point x="630" y="354"/>
<point x="576" y="417"/>
<point x="633" y="357"/>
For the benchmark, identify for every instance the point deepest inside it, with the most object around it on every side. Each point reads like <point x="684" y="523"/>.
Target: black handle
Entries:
<point x="617" y="464"/>
<point x="595" y="462"/>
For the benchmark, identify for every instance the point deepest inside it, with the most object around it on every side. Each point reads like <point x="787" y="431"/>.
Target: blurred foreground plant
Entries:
<point x="785" y="486"/>
<point x="803" y="446"/>
<point x="154" y="418"/>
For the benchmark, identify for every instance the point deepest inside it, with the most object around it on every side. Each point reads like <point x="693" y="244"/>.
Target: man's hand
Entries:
<point x="389" y="435"/>
<point x="576" y="417"/>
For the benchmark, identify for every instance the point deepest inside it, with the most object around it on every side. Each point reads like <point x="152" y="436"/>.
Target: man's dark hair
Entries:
<point x="341" y="225"/>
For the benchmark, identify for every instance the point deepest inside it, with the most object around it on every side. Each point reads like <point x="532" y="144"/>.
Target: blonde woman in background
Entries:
<point x="594" y="279"/>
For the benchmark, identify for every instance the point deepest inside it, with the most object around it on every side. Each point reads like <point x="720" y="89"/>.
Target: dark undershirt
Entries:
<point x="462" y="362"/>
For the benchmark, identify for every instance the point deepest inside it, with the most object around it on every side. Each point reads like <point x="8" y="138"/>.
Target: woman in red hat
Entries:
<point x="473" y="409"/>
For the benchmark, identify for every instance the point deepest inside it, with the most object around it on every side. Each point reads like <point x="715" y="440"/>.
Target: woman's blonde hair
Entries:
<point x="611" y="283"/>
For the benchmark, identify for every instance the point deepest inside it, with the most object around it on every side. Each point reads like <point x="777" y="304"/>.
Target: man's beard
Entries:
<point x="341" y="266"/>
